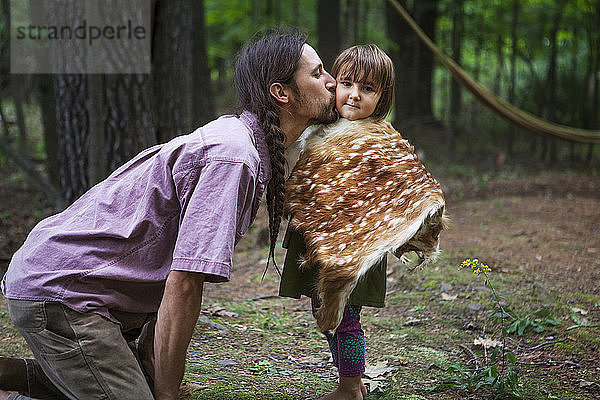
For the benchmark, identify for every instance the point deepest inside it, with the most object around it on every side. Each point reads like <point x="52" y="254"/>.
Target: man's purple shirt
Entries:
<point x="179" y="206"/>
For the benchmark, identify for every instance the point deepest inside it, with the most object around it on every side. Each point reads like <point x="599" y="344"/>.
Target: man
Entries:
<point x="129" y="258"/>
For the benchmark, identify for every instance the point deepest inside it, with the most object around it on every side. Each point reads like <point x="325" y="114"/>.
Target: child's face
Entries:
<point x="355" y="100"/>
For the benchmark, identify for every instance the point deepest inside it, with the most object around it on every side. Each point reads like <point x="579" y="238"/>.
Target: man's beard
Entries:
<point x="327" y="115"/>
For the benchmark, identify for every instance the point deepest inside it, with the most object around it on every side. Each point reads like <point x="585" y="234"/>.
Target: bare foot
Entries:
<point x="350" y="388"/>
<point x="337" y="394"/>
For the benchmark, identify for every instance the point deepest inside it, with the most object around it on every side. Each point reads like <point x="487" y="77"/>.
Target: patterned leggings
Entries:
<point x="347" y="345"/>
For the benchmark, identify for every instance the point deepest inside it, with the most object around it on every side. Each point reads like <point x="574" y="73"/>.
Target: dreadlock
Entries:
<point x="272" y="57"/>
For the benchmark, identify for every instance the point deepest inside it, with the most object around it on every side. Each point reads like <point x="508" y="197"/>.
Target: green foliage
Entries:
<point x="265" y="367"/>
<point x="273" y="321"/>
<point x="539" y="322"/>
<point x="505" y="386"/>
<point x="497" y="373"/>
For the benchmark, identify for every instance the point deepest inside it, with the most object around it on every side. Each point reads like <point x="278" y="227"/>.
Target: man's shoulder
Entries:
<point x="227" y="138"/>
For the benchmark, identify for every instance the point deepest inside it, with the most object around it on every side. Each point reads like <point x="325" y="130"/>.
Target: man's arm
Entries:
<point x="177" y="316"/>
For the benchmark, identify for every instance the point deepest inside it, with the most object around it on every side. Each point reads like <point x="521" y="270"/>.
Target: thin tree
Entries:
<point x="591" y="111"/>
<point x="551" y="79"/>
<point x="455" y="90"/>
<point x="400" y="52"/>
<point x="427" y="12"/>
<point x="350" y="26"/>
<point x="514" y="23"/>
<point x="413" y="62"/>
<point x="170" y="59"/>
<point x="202" y="104"/>
<point x="328" y="31"/>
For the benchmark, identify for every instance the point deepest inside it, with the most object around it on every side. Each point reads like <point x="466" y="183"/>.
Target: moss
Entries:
<point x="585" y="335"/>
<point x="430" y="284"/>
<point x="569" y="348"/>
<point x="588" y="298"/>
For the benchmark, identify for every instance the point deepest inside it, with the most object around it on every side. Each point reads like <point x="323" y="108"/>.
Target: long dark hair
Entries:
<point x="274" y="56"/>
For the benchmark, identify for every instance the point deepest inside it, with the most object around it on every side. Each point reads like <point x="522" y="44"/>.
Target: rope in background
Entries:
<point x="502" y="108"/>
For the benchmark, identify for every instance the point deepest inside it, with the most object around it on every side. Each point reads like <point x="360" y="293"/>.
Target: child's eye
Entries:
<point x="368" y="89"/>
<point x="345" y="83"/>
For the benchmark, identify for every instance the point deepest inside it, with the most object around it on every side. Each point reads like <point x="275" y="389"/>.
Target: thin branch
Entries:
<point x="269" y="297"/>
<point x="469" y="351"/>
<point x="544" y="344"/>
<point x="32" y="172"/>
<point x="549" y="363"/>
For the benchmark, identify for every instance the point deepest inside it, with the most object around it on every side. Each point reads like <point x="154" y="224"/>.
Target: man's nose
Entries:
<point x="330" y="83"/>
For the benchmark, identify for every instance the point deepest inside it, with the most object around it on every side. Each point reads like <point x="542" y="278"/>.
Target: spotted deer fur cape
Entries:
<point x="358" y="191"/>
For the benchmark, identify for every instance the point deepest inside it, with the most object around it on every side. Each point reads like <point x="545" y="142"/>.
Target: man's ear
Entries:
<point x="280" y="92"/>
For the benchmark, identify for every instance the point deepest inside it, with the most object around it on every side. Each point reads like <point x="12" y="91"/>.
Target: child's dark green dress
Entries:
<point x="296" y="282"/>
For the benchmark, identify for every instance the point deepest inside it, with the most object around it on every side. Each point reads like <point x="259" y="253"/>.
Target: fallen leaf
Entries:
<point x="449" y="297"/>
<point x="412" y="322"/>
<point x="219" y="311"/>
<point x="377" y="370"/>
<point x="579" y="310"/>
<point x="374" y="385"/>
<point x="487" y="343"/>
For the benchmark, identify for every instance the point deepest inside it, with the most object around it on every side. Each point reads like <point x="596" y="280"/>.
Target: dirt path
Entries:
<point x="547" y="226"/>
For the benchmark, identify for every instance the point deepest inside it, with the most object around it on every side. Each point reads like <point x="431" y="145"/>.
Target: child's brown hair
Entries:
<point x="368" y="64"/>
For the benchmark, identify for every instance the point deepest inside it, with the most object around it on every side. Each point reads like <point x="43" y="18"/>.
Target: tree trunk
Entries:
<point x="328" y="31"/>
<point x="295" y="8"/>
<point x="202" y="104"/>
<point x="479" y="40"/>
<point x="591" y="112"/>
<point x="277" y="13"/>
<point x="499" y="55"/>
<point x="350" y="12"/>
<point x="362" y="26"/>
<point x="73" y="124"/>
<point x="129" y="126"/>
<point x="72" y="118"/>
<point x="513" y="70"/>
<point x="455" y="90"/>
<point x="47" y="103"/>
<point x="400" y="52"/>
<point x="428" y="13"/>
<point x="16" y="86"/>
<point x="97" y="170"/>
<point x="170" y="70"/>
<point x="413" y="61"/>
<point x="4" y="44"/>
<point x="550" y="144"/>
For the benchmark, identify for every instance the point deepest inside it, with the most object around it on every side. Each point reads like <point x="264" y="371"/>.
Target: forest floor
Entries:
<point x="541" y="236"/>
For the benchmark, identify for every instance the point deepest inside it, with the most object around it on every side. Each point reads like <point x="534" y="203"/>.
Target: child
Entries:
<point x="365" y="80"/>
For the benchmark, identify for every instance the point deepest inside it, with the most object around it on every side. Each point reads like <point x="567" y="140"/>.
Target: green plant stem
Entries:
<point x="488" y="282"/>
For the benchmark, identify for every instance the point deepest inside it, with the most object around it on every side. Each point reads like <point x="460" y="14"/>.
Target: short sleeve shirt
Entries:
<point x="180" y="206"/>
